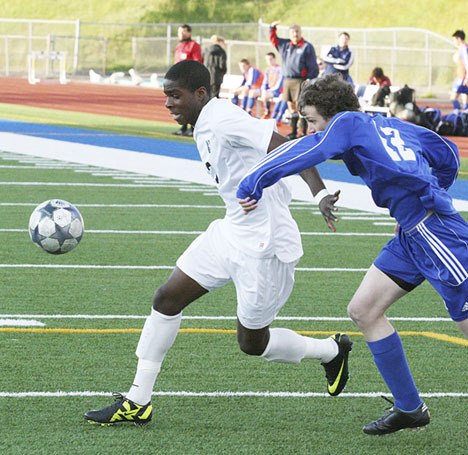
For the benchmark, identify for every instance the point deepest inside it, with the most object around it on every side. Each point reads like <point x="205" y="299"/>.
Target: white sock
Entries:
<point x="289" y="347"/>
<point x="158" y="335"/>
<point x="145" y="377"/>
<point x="323" y="349"/>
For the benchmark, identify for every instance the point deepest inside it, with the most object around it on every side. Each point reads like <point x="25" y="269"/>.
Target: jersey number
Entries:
<point x="395" y="146"/>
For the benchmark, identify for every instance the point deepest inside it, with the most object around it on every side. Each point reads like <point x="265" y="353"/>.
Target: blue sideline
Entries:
<point x="332" y="171"/>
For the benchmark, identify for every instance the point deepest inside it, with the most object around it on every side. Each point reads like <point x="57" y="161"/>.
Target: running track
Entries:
<point x="131" y="102"/>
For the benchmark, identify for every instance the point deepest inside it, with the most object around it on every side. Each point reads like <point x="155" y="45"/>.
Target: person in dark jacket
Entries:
<point x="298" y="63"/>
<point x="215" y="58"/>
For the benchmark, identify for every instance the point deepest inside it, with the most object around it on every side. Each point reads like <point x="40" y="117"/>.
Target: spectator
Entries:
<point x="379" y="98"/>
<point x="215" y="58"/>
<point x="378" y="78"/>
<point x="272" y="83"/>
<point x="340" y="58"/>
<point x="186" y="49"/>
<point x="250" y="87"/>
<point x="299" y="63"/>
<point x="460" y="84"/>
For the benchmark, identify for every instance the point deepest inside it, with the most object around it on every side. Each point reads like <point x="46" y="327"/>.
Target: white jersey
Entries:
<point x="230" y="142"/>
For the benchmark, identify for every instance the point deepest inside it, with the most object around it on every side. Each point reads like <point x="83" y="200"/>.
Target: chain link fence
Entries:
<point x="418" y="57"/>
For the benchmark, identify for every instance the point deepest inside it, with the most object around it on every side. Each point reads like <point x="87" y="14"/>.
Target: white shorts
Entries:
<point x="263" y="285"/>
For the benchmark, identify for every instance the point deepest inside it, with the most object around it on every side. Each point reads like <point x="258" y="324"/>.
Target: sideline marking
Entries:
<point x="150" y="267"/>
<point x="142" y="232"/>
<point x="208" y="318"/>
<point x="437" y="336"/>
<point x="228" y="394"/>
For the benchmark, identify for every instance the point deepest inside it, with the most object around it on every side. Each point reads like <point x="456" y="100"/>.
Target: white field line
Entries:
<point x="163" y="206"/>
<point x="20" y="322"/>
<point x="131" y="232"/>
<point x="306" y="206"/>
<point x="188" y="186"/>
<point x="226" y="394"/>
<point x="204" y="318"/>
<point x="149" y="267"/>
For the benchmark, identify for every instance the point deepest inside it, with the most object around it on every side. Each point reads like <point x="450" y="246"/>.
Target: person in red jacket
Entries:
<point x="186" y="49"/>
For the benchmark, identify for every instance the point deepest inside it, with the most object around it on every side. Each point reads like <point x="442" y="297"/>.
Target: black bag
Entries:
<point x="403" y="96"/>
<point x="378" y="98"/>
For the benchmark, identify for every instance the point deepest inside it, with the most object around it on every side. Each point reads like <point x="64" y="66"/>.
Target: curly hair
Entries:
<point x="329" y="95"/>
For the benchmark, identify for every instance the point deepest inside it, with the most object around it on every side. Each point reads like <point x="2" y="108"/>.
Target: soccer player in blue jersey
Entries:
<point x="409" y="169"/>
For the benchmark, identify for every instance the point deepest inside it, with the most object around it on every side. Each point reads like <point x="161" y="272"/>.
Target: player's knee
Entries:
<point x="162" y="301"/>
<point x="251" y="345"/>
<point x="356" y="313"/>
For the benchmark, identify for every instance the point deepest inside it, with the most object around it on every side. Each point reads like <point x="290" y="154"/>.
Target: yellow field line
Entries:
<point x="434" y="335"/>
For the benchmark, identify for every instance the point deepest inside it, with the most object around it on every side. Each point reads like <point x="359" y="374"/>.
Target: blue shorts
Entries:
<point x="435" y="250"/>
<point x="459" y="87"/>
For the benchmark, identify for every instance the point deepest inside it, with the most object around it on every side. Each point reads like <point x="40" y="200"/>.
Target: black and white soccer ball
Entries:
<point x="56" y="226"/>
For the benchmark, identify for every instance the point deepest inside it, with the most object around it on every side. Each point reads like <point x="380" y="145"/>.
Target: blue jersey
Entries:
<point x="339" y="60"/>
<point x="408" y="168"/>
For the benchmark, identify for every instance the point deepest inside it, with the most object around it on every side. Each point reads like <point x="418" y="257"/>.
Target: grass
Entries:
<point x="97" y="361"/>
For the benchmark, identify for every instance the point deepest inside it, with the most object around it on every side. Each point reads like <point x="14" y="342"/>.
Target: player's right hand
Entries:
<point x="275" y="23"/>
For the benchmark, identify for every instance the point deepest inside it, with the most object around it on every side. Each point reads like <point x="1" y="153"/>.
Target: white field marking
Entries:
<point x="150" y="267"/>
<point x="365" y="218"/>
<point x="131" y="232"/>
<point x="111" y="185"/>
<point x="385" y="224"/>
<point x="208" y="318"/>
<point x="313" y="209"/>
<point x="162" y="206"/>
<point x="227" y="394"/>
<point x="20" y="323"/>
<point x="354" y="196"/>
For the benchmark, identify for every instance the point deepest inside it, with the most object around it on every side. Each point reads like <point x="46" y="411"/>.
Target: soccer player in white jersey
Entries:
<point x="408" y="169"/>
<point x="257" y="252"/>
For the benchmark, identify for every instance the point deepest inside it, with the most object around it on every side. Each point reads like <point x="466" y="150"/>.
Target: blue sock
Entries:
<point x="456" y="104"/>
<point x="250" y="103"/>
<point x="390" y="359"/>
<point x="235" y="100"/>
<point x="282" y="106"/>
<point x="244" y="102"/>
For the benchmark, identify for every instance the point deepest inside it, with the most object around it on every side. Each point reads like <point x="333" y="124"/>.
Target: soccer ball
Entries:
<point x="56" y="226"/>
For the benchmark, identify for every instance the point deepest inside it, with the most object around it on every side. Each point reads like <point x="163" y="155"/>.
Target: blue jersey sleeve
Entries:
<point x="295" y="156"/>
<point x="442" y="155"/>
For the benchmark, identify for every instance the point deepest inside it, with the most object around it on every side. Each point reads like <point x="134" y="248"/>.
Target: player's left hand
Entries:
<point x="248" y="204"/>
<point x="327" y="207"/>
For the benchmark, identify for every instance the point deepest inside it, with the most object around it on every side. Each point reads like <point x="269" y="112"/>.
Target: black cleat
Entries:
<point x="123" y="410"/>
<point x="336" y="370"/>
<point x="396" y="420"/>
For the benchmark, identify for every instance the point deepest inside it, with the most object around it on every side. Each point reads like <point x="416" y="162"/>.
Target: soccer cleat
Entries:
<point x="336" y="371"/>
<point x="396" y="420"/>
<point x="123" y="410"/>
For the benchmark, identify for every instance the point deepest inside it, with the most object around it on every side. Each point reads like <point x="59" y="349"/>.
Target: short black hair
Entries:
<point x="187" y="27"/>
<point x="459" y="34"/>
<point x="190" y="74"/>
<point x="378" y="72"/>
<point x="271" y="54"/>
<point x="329" y="95"/>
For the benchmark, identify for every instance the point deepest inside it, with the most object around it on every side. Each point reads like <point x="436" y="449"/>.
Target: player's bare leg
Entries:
<point x="367" y="309"/>
<point x="158" y="335"/>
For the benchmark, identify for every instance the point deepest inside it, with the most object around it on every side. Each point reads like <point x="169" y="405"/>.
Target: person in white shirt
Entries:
<point x="257" y="252"/>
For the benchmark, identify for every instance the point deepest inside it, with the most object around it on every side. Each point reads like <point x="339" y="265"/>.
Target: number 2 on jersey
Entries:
<point x="395" y="146"/>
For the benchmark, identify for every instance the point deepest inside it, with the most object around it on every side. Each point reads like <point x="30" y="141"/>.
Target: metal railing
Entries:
<point x="418" y="57"/>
